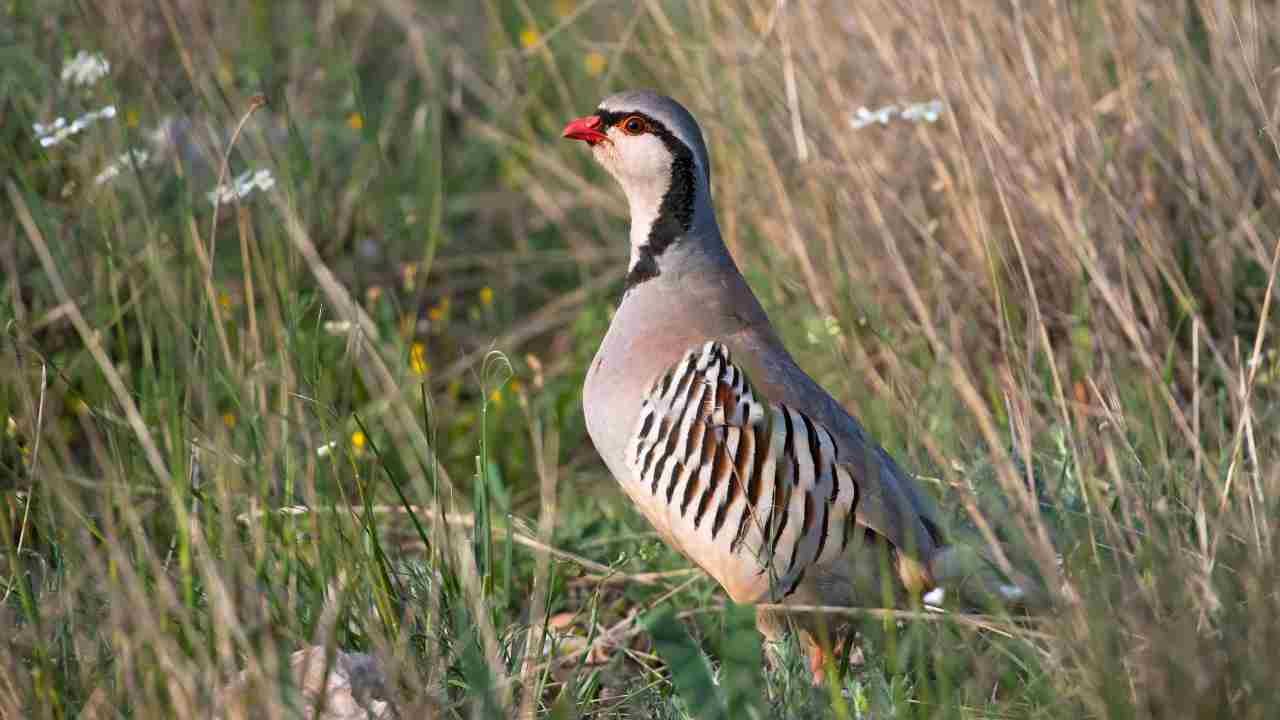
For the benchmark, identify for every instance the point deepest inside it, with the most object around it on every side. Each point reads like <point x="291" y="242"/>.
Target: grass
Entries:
<point x="344" y="410"/>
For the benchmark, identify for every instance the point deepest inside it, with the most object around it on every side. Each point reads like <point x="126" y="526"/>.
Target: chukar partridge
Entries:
<point x="737" y="457"/>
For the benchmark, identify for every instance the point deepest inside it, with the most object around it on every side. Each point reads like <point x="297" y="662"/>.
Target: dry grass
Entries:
<point x="1055" y="303"/>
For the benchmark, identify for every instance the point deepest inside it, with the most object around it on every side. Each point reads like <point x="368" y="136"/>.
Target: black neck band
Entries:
<point x="675" y="212"/>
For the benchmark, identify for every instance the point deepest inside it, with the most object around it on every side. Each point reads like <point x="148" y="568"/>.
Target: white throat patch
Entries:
<point x="642" y="165"/>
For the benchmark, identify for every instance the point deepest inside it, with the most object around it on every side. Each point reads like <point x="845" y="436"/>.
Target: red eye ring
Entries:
<point x="634" y="125"/>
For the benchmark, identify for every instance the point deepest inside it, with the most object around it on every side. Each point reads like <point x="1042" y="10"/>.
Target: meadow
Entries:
<point x="298" y="297"/>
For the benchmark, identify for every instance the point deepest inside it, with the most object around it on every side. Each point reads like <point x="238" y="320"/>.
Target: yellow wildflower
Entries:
<point x="486" y="296"/>
<point x="224" y="299"/>
<point x="409" y="276"/>
<point x="439" y="311"/>
<point x="495" y="397"/>
<point x="535" y="364"/>
<point x="229" y="419"/>
<point x="418" y="359"/>
<point x="355" y="121"/>
<point x="594" y="62"/>
<point x="358" y="441"/>
<point x="529" y="38"/>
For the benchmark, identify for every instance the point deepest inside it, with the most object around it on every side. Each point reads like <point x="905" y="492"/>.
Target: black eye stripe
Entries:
<point x="618" y="119"/>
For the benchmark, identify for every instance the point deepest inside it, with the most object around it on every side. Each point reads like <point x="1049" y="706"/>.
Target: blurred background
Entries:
<point x="298" y="298"/>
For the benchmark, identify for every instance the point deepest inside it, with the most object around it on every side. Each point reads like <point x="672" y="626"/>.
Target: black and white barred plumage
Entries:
<point x="747" y="481"/>
<point x="782" y="498"/>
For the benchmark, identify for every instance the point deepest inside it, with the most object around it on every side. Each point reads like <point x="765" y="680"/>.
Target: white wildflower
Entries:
<point x="136" y="156"/>
<point x="59" y="130"/>
<point x="863" y="117"/>
<point x="927" y="111"/>
<point x="915" y="112"/>
<point x="85" y="69"/>
<point x="244" y="184"/>
<point x="1012" y="593"/>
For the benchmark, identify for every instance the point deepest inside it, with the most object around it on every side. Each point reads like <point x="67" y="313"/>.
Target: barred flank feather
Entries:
<point x="756" y="482"/>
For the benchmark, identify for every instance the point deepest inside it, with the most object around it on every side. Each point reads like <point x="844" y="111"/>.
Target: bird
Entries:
<point x="737" y="457"/>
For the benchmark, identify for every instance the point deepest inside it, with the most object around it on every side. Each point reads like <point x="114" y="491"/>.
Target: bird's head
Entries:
<point x="653" y="147"/>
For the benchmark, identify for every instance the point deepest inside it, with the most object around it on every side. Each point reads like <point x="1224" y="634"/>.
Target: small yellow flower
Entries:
<point x="131" y="118"/>
<point x="418" y="359"/>
<point x="486" y="296"/>
<point x="226" y="74"/>
<point x="229" y="419"/>
<point x="495" y="397"/>
<point x="439" y="311"/>
<point x="409" y="276"/>
<point x="594" y="62"/>
<point x="79" y="406"/>
<point x="355" y="121"/>
<point x="224" y="299"/>
<point x="358" y="441"/>
<point x="529" y="38"/>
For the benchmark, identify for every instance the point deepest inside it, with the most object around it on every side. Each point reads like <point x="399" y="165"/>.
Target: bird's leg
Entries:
<point x="837" y="650"/>
<point x="817" y="664"/>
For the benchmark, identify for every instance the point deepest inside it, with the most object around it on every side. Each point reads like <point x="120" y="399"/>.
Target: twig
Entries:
<point x="649" y="578"/>
<point x="255" y="102"/>
<point x="982" y="622"/>
<point x="793" y="96"/>
<point x="627" y="627"/>
<point x="605" y="574"/>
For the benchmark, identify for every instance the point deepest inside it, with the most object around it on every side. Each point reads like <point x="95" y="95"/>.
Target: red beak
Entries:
<point x="585" y="128"/>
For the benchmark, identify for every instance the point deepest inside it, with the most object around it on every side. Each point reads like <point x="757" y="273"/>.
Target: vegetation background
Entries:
<point x="340" y="406"/>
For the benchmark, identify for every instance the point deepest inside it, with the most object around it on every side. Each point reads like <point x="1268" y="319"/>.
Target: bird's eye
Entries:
<point x="634" y="125"/>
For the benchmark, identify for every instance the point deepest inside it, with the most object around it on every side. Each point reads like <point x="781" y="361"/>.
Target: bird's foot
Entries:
<point x="818" y="664"/>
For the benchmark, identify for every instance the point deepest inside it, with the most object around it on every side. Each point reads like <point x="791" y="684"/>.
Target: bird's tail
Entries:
<point x="963" y="571"/>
